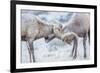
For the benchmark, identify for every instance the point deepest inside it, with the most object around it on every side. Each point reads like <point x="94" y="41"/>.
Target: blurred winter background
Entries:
<point x="55" y="50"/>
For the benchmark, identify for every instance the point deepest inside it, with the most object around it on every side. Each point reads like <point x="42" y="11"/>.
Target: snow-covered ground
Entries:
<point x="55" y="50"/>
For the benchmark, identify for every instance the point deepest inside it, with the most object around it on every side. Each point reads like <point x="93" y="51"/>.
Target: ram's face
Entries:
<point x="58" y="28"/>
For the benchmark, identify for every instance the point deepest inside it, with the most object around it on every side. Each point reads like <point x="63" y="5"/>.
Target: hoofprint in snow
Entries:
<point x="55" y="50"/>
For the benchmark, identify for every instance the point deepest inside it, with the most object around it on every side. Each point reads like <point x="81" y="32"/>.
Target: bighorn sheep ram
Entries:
<point x="36" y="30"/>
<point x="67" y="38"/>
<point x="80" y="25"/>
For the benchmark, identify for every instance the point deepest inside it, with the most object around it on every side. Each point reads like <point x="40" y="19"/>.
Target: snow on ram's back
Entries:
<point x="56" y="49"/>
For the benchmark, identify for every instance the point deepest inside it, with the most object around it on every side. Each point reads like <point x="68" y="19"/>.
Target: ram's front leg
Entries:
<point x="84" y="44"/>
<point x="29" y="50"/>
<point x="74" y="50"/>
<point x="30" y="41"/>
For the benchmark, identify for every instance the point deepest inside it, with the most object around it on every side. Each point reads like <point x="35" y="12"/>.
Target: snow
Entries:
<point x="55" y="50"/>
